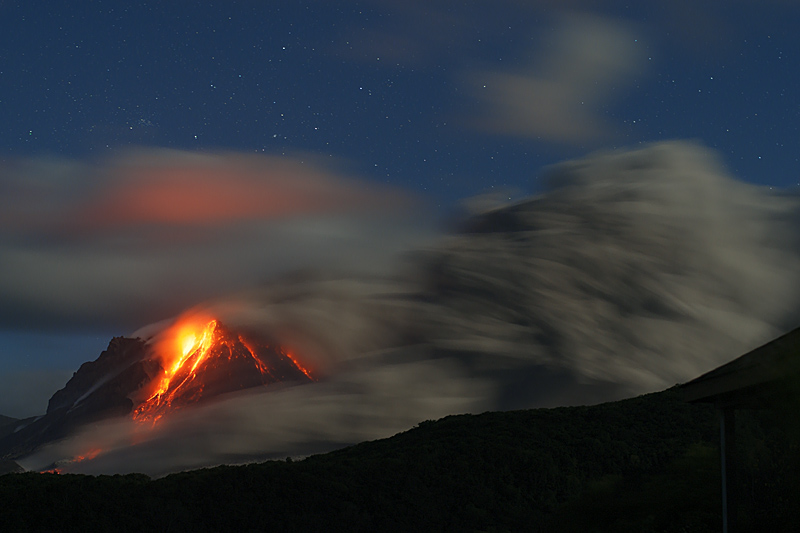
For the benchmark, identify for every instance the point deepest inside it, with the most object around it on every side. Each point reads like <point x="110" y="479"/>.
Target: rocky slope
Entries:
<point x="117" y="383"/>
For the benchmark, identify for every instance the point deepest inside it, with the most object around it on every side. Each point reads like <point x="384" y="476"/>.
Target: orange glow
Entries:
<point x="206" y="191"/>
<point x="298" y="365"/>
<point x="91" y="454"/>
<point x="194" y="345"/>
<point x="192" y="342"/>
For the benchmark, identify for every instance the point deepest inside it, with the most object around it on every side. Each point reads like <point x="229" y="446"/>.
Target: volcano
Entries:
<point x="205" y="359"/>
<point x="193" y="361"/>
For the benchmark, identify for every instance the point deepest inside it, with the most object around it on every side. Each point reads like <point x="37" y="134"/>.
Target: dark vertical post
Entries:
<point x="727" y="439"/>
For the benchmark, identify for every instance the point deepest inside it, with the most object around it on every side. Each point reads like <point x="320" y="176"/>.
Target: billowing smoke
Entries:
<point x="633" y="271"/>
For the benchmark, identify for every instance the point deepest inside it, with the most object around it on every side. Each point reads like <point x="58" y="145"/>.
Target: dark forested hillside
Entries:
<point x="644" y="464"/>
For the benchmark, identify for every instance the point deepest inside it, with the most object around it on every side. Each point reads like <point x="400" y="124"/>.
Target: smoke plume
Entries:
<point x="634" y="271"/>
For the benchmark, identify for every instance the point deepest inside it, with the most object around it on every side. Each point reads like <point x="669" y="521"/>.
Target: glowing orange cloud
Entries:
<point x="205" y="190"/>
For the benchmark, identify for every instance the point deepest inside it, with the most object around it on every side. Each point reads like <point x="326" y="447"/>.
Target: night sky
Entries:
<point x="434" y="101"/>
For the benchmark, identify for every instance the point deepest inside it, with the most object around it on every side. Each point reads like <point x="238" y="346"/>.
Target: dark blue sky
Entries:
<point x="443" y="100"/>
<point x="392" y="86"/>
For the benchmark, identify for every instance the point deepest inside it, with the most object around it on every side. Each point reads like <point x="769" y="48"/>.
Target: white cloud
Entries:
<point x="560" y="96"/>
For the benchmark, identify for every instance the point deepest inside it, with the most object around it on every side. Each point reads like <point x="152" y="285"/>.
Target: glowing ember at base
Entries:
<point x="59" y="466"/>
<point x="202" y="359"/>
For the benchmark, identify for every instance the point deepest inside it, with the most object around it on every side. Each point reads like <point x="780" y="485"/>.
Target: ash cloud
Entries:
<point x="636" y="270"/>
<point x="141" y="236"/>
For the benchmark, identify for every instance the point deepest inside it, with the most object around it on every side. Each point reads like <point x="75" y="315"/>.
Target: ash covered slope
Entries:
<point x="7" y="425"/>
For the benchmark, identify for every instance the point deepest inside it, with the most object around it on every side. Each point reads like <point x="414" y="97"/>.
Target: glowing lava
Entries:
<point x="58" y="467"/>
<point x="201" y="358"/>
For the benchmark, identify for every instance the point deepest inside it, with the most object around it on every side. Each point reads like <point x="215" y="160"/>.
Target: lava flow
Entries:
<point x="201" y="359"/>
<point x="58" y="467"/>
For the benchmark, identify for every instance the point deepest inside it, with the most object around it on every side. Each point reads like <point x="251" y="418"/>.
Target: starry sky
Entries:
<point x="373" y="106"/>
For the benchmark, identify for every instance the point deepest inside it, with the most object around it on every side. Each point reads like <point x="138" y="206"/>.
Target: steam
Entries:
<point x="632" y="272"/>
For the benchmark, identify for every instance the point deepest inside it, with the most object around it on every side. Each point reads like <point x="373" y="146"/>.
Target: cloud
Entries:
<point x="634" y="271"/>
<point x="144" y="235"/>
<point x="196" y="190"/>
<point x="372" y="400"/>
<point x="559" y="97"/>
<point x="424" y="33"/>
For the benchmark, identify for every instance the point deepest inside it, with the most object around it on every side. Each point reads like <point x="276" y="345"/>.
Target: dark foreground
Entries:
<point x="645" y="464"/>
